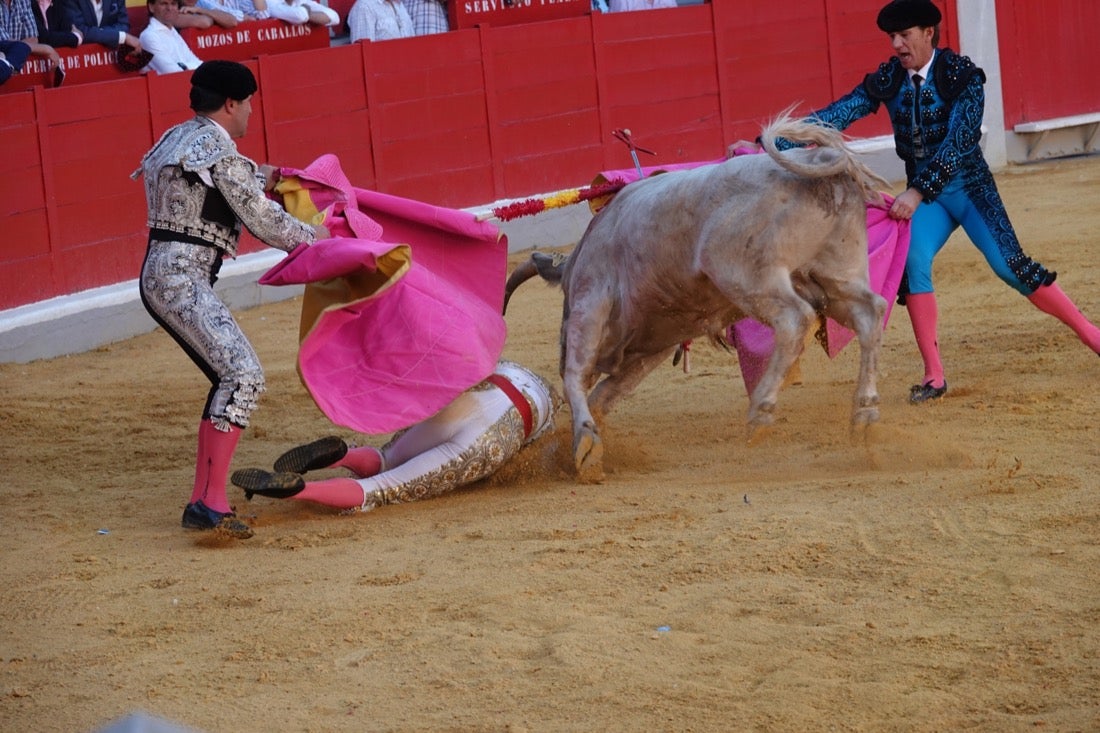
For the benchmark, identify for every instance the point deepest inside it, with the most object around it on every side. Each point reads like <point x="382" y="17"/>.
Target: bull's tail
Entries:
<point x="548" y="267"/>
<point x="808" y="132"/>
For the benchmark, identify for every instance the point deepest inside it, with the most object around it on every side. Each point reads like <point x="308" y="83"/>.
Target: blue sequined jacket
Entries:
<point x="952" y="105"/>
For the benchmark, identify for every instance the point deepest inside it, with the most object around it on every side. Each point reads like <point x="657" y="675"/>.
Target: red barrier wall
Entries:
<point x="1050" y="70"/>
<point x="457" y="119"/>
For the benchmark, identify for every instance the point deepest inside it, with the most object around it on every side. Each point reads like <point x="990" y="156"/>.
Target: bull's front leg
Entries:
<point x="578" y="373"/>
<point x="587" y="445"/>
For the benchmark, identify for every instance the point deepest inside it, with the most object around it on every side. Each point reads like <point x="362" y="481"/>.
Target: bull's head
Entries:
<point x="546" y="266"/>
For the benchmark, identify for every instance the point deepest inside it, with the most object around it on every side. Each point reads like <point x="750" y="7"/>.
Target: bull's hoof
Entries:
<point x="864" y="416"/>
<point x="865" y="411"/>
<point x="588" y="456"/>
<point x="761" y="416"/>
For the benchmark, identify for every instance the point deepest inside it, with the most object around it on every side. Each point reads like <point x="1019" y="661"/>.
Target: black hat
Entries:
<point x="901" y="14"/>
<point x="227" y="78"/>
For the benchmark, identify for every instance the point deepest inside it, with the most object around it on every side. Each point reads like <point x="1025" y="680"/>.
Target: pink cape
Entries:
<point x="402" y="310"/>
<point x="887" y="247"/>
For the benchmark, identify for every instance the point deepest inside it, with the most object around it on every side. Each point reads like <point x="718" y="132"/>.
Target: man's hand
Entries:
<point x="271" y="176"/>
<point x="742" y="147"/>
<point x="906" y="204"/>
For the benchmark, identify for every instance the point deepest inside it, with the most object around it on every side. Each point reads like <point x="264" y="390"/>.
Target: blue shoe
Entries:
<point x="919" y="393"/>
<point x="200" y="516"/>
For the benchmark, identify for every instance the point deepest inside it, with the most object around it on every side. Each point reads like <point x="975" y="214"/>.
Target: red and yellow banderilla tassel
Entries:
<point x="530" y="207"/>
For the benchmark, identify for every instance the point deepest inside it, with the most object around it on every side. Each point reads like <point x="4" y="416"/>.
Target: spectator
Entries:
<point x="378" y="20"/>
<point x="55" y="27"/>
<point x="17" y="24"/>
<point x="160" y="38"/>
<point x="617" y="6"/>
<point x="106" y="23"/>
<point x="222" y="13"/>
<point x="254" y="9"/>
<point x="428" y="16"/>
<point x="298" y="12"/>
<point x="13" y="54"/>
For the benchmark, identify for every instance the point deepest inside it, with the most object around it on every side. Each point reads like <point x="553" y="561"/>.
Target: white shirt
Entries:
<point x="620" y="5"/>
<point x="170" y="52"/>
<point x="923" y="71"/>
<point x="379" y="20"/>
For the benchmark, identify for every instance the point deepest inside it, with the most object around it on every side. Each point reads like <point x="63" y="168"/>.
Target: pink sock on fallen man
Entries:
<point x="363" y="461"/>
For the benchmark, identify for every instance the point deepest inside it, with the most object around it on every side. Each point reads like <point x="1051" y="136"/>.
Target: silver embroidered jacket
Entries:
<point x="199" y="187"/>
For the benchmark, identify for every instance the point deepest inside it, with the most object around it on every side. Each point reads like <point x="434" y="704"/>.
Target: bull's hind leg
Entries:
<point x="860" y="309"/>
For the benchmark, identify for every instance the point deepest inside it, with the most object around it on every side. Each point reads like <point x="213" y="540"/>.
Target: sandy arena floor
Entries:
<point x="942" y="577"/>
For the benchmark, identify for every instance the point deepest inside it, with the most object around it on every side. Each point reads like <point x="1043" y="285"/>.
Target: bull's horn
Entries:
<point x="523" y="272"/>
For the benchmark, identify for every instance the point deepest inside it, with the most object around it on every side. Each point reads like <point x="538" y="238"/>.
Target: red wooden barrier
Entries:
<point x="92" y="138"/>
<point x="456" y="119"/>
<point x="318" y="105"/>
<point x="428" y="118"/>
<point x="83" y="65"/>
<point x="26" y="267"/>
<point x="543" y="105"/>
<point x="657" y="77"/>
<point x="1049" y="72"/>
<point x="254" y="38"/>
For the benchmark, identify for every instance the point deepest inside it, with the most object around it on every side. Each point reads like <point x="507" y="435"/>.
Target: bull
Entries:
<point x="780" y="238"/>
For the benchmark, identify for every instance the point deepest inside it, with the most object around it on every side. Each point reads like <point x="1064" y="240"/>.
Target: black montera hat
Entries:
<point x="901" y="14"/>
<point x="227" y="78"/>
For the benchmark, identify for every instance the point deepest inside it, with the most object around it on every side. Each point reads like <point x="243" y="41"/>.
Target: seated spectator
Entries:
<point x="55" y="27"/>
<point x="428" y="16"/>
<point x="17" y="24"/>
<point x="379" y="20"/>
<point x="254" y="9"/>
<point x="620" y="5"/>
<point x="222" y="13"/>
<point x="13" y="54"/>
<point x="104" y="22"/>
<point x="160" y="38"/>
<point x="298" y="12"/>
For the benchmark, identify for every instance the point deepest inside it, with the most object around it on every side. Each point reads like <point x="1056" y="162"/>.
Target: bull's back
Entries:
<point x="664" y="226"/>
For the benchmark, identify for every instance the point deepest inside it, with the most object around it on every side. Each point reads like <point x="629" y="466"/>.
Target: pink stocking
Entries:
<point x="363" y="462"/>
<point x="1051" y="300"/>
<point x="216" y="449"/>
<point x="202" y="465"/>
<point x="924" y="316"/>
<point x="342" y="493"/>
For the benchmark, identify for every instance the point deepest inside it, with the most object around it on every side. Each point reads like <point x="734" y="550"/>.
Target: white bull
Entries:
<point x="780" y="238"/>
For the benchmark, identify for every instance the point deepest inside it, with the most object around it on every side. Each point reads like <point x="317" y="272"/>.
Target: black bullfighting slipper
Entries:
<point x="320" y="453"/>
<point x="281" y="485"/>
<point x="200" y="516"/>
<point x="919" y="393"/>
